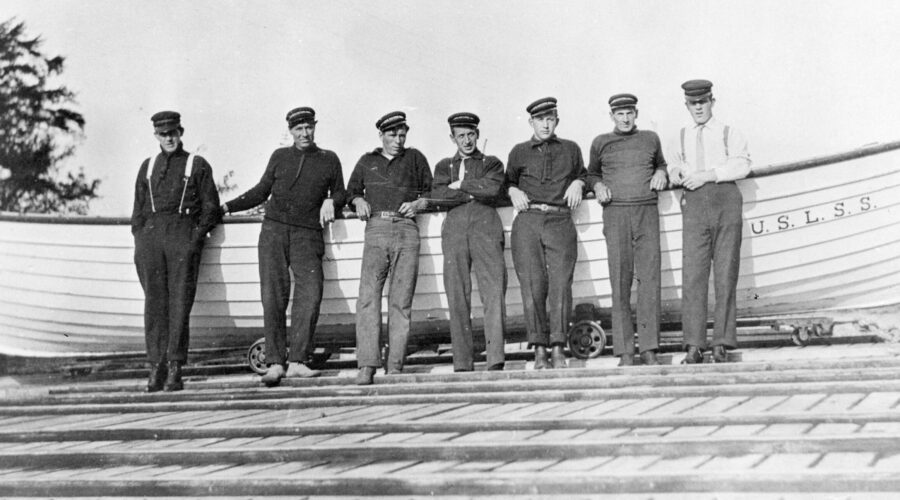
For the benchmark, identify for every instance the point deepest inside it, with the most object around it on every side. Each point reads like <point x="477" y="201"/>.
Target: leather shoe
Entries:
<point x="626" y="360"/>
<point x="540" y="358"/>
<point x="273" y="375"/>
<point x="158" y="373"/>
<point x="648" y="357"/>
<point x="173" y="380"/>
<point x="693" y="356"/>
<point x="719" y="354"/>
<point x="558" y="357"/>
<point x="300" y="370"/>
<point x="366" y="375"/>
<point x="496" y="367"/>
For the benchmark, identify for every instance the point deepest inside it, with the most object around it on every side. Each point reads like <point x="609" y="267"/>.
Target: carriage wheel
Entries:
<point x="800" y="336"/>
<point x="586" y="339"/>
<point x="256" y="356"/>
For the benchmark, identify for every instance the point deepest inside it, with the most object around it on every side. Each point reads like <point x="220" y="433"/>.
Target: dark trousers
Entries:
<point x="168" y="261"/>
<point x="632" y="242"/>
<point x="391" y="249"/>
<point x="286" y="250"/>
<point x="472" y="237"/>
<point x="712" y="224"/>
<point x="544" y="252"/>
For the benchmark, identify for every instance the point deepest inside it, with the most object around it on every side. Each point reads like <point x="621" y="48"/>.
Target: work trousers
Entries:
<point x="286" y="250"/>
<point x="472" y="238"/>
<point x="544" y="250"/>
<point x="712" y="224"/>
<point x="632" y="242"/>
<point x="167" y="257"/>
<point x="391" y="250"/>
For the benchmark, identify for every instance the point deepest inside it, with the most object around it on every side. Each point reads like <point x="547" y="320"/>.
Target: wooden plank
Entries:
<point x="683" y="464"/>
<point x="828" y="429"/>
<point x="496" y="437"/>
<point x="378" y="468"/>
<point x="838" y="402"/>
<point x="394" y="437"/>
<point x="627" y="464"/>
<point x="676" y="406"/>
<point x="739" y="464"/>
<point x="553" y="436"/>
<point x="693" y="431"/>
<point x="429" y="467"/>
<point x="757" y="404"/>
<point x="572" y="465"/>
<point x="526" y="466"/>
<point x="735" y="431"/>
<point x="715" y="405"/>
<point x="800" y="402"/>
<point x="639" y="407"/>
<point x="787" y="462"/>
<point x="787" y="430"/>
<point x="521" y="411"/>
<point x="845" y="461"/>
<point x="878" y="401"/>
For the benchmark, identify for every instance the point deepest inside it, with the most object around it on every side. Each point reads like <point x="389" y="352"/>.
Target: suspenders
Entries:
<point x="187" y="175"/>
<point x="724" y="138"/>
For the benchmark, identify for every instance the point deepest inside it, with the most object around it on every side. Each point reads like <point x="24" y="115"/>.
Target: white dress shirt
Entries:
<point x="727" y="165"/>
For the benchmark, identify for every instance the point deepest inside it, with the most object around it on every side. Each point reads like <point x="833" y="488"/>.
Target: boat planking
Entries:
<point x="820" y="236"/>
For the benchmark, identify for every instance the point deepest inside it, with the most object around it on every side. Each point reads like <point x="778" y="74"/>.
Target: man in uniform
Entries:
<point x="707" y="157"/>
<point x="626" y="169"/>
<point x="472" y="236"/>
<point x="302" y="187"/>
<point x="546" y="178"/>
<point x="175" y="205"/>
<point x="385" y="189"/>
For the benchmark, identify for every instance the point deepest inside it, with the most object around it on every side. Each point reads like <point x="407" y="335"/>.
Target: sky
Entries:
<point x="798" y="78"/>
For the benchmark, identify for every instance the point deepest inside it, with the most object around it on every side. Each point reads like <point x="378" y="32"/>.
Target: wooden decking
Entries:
<point x="784" y="422"/>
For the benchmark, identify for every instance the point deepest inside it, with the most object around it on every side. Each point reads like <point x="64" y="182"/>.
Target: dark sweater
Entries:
<point x="387" y="184"/>
<point x="483" y="183"/>
<point x="201" y="199"/>
<point x="545" y="169"/>
<point x="294" y="197"/>
<point x="625" y="162"/>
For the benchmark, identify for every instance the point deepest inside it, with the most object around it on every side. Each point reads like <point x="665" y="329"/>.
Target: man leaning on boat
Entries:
<point x="707" y="158"/>
<point x="175" y="205"/>
<point x="386" y="189"/>
<point x="626" y="169"/>
<point x="546" y="181"/>
<point x="302" y="187"/>
<point x="472" y="237"/>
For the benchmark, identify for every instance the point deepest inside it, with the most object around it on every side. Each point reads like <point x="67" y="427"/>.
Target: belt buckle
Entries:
<point x="544" y="207"/>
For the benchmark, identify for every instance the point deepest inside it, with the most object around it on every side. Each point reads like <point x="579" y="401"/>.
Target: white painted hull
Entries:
<point x="816" y="240"/>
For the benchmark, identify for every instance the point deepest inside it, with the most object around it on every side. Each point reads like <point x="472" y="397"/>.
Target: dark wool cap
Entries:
<point x="697" y="89"/>
<point x="165" y="121"/>
<point x="469" y="120"/>
<point x="622" y="101"/>
<point x="391" y="121"/>
<point x="300" y="115"/>
<point x="542" y="106"/>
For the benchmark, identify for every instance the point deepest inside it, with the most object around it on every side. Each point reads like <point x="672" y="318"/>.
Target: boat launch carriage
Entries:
<point x="820" y="236"/>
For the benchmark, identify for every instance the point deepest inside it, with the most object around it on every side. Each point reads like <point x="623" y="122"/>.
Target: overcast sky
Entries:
<point x="799" y="78"/>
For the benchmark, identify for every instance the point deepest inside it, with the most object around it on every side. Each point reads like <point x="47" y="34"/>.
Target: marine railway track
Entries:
<point x="783" y="421"/>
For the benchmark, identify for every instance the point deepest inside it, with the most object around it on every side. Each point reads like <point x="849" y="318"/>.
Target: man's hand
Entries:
<point x="676" y="176"/>
<point x="658" y="181"/>
<point x="574" y="193"/>
<point x="410" y="208"/>
<point x="603" y="194"/>
<point x="695" y="180"/>
<point x="455" y="184"/>
<point x="326" y="213"/>
<point x="519" y="198"/>
<point x="363" y="210"/>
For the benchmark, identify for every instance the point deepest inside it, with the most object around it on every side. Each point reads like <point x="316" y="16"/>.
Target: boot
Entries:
<point x="366" y="375"/>
<point x="648" y="357"/>
<point x="540" y="357"/>
<point x="300" y="370"/>
<point x="558" y="357"/>
<point x="719" y="354"/>
<point x="273" y="375"/>
<point x="694" y="356"/>
<point x="158" y="374"/>
<point x="173" y="380"/>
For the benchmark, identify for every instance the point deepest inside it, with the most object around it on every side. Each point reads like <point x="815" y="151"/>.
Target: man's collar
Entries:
<point x="633" y="131"/>
<point x="178" y="151"/>
<point x="380" y="152"/>
<point x="477" y="155"/>
<point x="711" y="123"/>
<point x="535" y="142"/>
<point x="311" y="149"/>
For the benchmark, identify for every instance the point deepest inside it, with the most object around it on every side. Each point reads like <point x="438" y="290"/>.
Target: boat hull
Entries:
<point x="819" y="236"/>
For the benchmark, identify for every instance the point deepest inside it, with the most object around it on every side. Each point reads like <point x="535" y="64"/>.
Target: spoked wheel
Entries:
<point x="586" y="339"/>
<point x="256" y="356"/>
<point x="800" y="336"/>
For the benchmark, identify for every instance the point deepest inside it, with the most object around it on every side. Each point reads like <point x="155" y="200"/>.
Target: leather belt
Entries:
<point x="543" y="207"/>
<point x="388" y="215"/>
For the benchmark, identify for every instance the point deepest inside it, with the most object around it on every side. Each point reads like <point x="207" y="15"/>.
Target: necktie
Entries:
<point x="701" y="154"/>
<point x="462" y="168"/>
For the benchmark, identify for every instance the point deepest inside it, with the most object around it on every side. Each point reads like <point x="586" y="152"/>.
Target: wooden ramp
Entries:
<point x="787" y="422"/>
